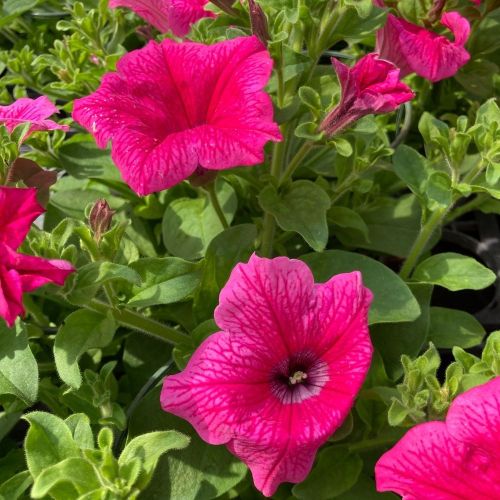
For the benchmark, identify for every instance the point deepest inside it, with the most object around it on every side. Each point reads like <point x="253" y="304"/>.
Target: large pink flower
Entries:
<point x="371" y="86"/>
<point x="34" y="111"/>
<point x="283" y="373"/>
<point x="417" y="50"/>
<point x="22" y="273"/>
<point x="167" y="15"/>
<point x="175" y="108"/>
<point x="456" y="459"/>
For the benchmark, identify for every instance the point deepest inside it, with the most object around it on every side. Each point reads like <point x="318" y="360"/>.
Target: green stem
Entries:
<point x="426" y="232"/>
<point x="465" y="208"/>
<point x="269" y="224"/>
<point x="215" y="203"/>
<point x="370" y="444"/>
<point x="292" y="166"/>
<point x="136" y="321"/>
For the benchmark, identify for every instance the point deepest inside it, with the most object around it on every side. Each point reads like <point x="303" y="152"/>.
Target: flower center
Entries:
<point x="298" y="377"/>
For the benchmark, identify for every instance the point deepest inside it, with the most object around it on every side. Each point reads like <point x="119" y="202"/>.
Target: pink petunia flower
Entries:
<point x="283" y="373"/>
<point x="417" y="50"/>
<point x="167" y="15"/>
<point x="372" y="85"/>
<point x="22" y="273"/>
<point x="34" y="111"/>
<point x="456" y="459"/>
<point x="175" y="108"/>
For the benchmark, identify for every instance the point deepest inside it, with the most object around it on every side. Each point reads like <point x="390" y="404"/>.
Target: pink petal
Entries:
<point x="474" y="417"/>
<point x="11" y="295"/>
<point x="428" y="463"/>
<point x="167" y="15"/>
<point x="30" y="110"/>
<point x="269" y="300"/>
<point x="416" y="49"/>
<point x="18" y="209"/>
<point x="174" y="107"/>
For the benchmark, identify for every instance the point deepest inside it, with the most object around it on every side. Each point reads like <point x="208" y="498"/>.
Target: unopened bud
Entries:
<point x="258" y="20"/>
<point x="226" y="6"/>
<point x="100" y="218"/>
<point x="435" y="11"/>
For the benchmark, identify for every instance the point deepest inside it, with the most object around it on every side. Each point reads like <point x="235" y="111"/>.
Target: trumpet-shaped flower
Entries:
<point x="417" y="50"/>
<point x="176" y="108"/>
<point x="22" y="273"/>
<point x="283" y="373"/>
<point x="34" y="111"/>
<point x="456" y="459"/>
<point x="371" y="86"/>
<point x="167" y="15"/>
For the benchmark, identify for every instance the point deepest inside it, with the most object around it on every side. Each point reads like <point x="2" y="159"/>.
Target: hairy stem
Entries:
<point x="294" y="164"/>
<point x="216" y="205"/>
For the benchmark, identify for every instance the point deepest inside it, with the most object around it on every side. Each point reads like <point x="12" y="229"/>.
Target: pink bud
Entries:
<point x="258" y="20"/>
<point x="100" y="218"/>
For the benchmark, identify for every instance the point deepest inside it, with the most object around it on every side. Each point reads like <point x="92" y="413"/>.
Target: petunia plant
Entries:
<point x="249" y="248"/>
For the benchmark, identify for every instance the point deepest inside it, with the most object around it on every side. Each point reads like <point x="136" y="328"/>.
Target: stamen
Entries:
<point x="297" y="378"/>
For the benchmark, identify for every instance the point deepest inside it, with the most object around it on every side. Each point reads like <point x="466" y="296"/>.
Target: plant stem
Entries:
<point x="139" y="322"/>
<point x="370" y="444"/>
<point x="292" y="166"/>
<point x="423" y="238"/>
<point x="465" y="208"/>
<point x="216" y="205"/>
<point x="405" y="129"/>
<point x="269" y="224"/>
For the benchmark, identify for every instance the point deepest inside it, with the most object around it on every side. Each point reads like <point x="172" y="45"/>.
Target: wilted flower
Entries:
<point x="459" y="458"/>
<point x="100" y="218"/>
<point x="414" y="49"/>
<point x="371" y="86"/>
<point x="34" y="111"/>
<point x="175" y="108"/>
<point x="283" y="373"/>
<point x="167" y="15"/>
<point x="22" y="273"/>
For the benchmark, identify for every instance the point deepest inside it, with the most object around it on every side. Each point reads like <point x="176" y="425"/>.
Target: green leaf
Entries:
<point x="14" y="8"/>
<point x="234" y="245"/>
<point x="48" y="442"/>
<point x="91" y="276"/>
<point x="190" y="224"/>
<point x="412" y="168"/>
<point x="309" y="131"/>
<point x="393" y="301"/>
<point x="336" y="471"/>
<point x="301" y="208"/>
<point x="166" y="281"/>
<point x="18" y="367"/>
<point x="454" y="272"/>
<point x="79" y="425"/>
<point x="438" y="191"/>
<point x="450" y="328"/>
<point x="149" y="448"/>
<point x="310" y="98"/>
<point x="200" y="471"/>
<point x="14" y="488"/>
<point x="81" y="331"/>
<point x="77" y="471"/>
<point x="342" y="146"/>
<point x="346" y="217"/>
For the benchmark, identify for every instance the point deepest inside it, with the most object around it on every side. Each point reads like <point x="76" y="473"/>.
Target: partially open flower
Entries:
<point x="34" y="111"/>
<point x="414" y="49"/>
<point x="459" y="458"/>
<point x="283" y="373"/>
<point x="176" y="16"/>
<point x="175" y="108"/>
<point x="371" y="86"/>
<point x="22" y="273"/>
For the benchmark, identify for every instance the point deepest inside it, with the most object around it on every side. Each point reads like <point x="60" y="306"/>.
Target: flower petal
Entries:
<point x="18" y="209"/>
<point x="429" y="463"/>
<point x="11" y="296"/>
<point x="474" y="417"/>
<point x="270" y="301"/>
<point x="167" y="15"/>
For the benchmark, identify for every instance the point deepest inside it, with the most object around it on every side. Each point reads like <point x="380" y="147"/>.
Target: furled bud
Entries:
<point x="100" y="218"/>
<point x="226" y="6"/>
<point x="258" y="20"/>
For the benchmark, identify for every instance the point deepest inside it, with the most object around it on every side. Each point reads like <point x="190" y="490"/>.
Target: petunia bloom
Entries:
<point x="456" y="459"/>
<point x="167" y="15"/>
<point x="34" y="111"/>
<point x="282" y="374"/>
<point x="414" y="49"/>
<point x="371" y="86"/>
<point x="176" y="108"/>
<point x="22" y="273"/>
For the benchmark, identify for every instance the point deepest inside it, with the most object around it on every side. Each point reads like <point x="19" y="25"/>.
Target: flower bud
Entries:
<point x="226" y="6"/>
<point x="258" y="21"/>
<point x="100" y="218"/>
